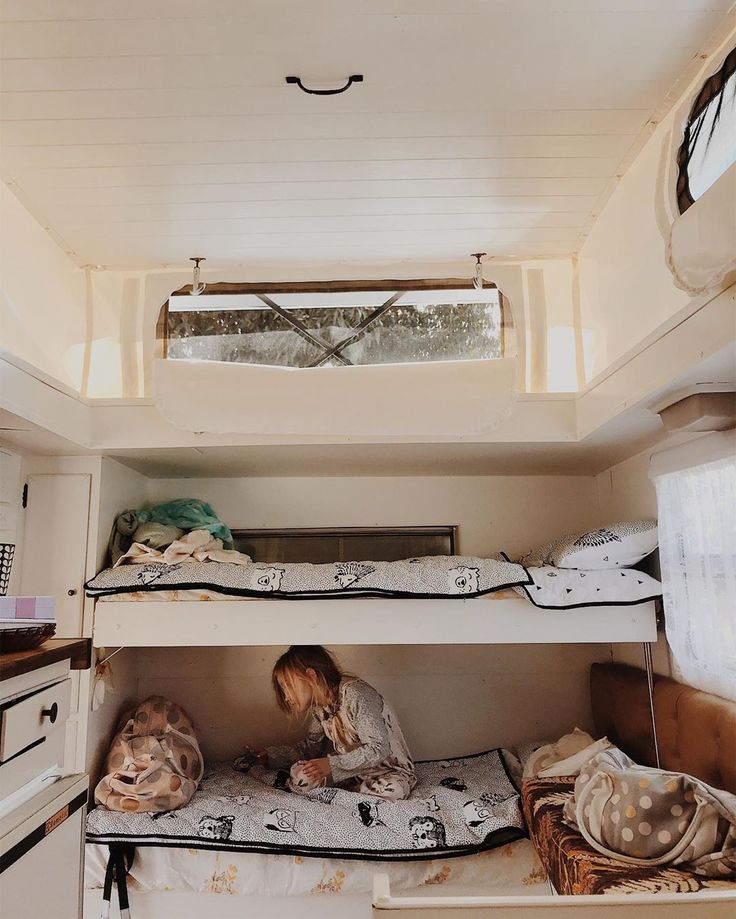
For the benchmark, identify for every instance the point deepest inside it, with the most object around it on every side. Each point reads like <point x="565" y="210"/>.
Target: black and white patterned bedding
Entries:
<point x="568" y="588"/>
<point x="459" y="807"/>
<point x="443" y="576"/>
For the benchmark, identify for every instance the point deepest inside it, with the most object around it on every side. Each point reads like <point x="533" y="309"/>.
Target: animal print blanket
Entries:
<point x="432" y="576"/>
<point x="459" y="807"/>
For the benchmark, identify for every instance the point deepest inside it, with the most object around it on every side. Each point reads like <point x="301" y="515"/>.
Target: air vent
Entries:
<point x="702" y="411"/>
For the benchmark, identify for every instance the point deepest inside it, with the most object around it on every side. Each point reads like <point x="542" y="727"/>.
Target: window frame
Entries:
<point x="320" y="287"/>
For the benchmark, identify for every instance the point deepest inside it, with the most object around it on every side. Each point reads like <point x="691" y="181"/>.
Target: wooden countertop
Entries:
<point x="76" y="650"/>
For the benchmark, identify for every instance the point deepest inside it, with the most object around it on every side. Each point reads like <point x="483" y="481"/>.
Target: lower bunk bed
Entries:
<point x="457" y="848"/>
<point x="247" y="837"/>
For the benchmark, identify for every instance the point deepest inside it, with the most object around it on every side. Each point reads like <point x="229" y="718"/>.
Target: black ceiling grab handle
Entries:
<point x="51" y="713"/>
<point x="355" y="78"/>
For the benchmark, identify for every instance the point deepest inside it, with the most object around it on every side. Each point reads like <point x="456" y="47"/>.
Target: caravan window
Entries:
<point x="297" y="327"/>
<point x="697" y="544"/>
<point x="709" y="143"/>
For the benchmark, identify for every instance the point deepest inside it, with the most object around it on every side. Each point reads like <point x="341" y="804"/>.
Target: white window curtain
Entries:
<point x="696" y="499"/>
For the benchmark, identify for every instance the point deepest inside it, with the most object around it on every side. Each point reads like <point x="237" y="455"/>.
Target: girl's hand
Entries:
<point x="317" y="769"/>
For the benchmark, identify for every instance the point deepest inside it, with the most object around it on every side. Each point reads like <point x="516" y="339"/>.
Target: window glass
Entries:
<point x="327" y="329"/>
<point x="709" y="145"/>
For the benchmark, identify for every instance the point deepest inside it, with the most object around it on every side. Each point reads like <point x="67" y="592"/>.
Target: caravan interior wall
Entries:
<point x="452" y="699"/>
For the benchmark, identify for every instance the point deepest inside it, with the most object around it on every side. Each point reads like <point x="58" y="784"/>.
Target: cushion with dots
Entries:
<point x="154" y="763"/>
<point x="618" y="545"/>
<point x="647" y="816"/>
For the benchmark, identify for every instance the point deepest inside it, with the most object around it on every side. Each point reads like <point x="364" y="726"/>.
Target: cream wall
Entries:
<point x="42" y="296"/>
<point x="451" y="700"/>
<point x="626" y="290"/>
<point x="493" y="512"/>
<point x="127" y="306"/>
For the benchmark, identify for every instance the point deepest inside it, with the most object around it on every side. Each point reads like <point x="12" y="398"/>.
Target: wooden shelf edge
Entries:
<point x="78" y="651"/>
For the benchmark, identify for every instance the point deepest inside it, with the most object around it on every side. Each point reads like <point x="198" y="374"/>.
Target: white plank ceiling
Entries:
<point x="142" y="132"/>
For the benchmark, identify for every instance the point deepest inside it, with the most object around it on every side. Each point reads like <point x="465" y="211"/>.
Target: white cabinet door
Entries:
<point x="41" y="855"/>
<point x="55" y="545"/>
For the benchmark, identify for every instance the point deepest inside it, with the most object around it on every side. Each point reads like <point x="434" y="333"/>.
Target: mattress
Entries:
<point x="435" y="576"/>
<point x="157" y="868"/>
<point x="459" y="806"/>
<point x="574" y="867"/>
<point x="204" y="595"/>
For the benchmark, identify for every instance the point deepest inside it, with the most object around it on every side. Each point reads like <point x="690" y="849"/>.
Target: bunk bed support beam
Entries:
<point x="647" y="647"/>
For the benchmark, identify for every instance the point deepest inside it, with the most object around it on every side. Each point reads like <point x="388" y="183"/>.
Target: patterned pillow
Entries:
<point x="619" y="545"/>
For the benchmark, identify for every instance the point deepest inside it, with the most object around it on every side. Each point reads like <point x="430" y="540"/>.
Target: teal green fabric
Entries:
<point x="187" y="514"/>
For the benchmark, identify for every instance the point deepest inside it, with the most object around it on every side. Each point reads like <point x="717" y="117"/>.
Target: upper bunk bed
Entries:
<point x="507" y="612"/>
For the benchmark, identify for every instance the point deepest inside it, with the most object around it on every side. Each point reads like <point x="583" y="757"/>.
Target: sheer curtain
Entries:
<point x="696" y="499"/>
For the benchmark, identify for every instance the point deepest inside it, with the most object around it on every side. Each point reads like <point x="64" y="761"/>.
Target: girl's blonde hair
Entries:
<point x="294" y="663"/>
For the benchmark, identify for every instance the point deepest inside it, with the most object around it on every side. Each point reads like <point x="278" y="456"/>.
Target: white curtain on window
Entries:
<point x="697" y="542"/>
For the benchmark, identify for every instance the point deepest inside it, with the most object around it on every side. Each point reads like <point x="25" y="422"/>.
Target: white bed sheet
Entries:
<point x="244" y="873"/>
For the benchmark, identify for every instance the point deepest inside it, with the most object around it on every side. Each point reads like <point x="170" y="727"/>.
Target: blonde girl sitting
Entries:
<point x="353" y="736"/>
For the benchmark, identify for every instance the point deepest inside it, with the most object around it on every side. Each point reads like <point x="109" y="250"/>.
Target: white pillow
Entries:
<point x="619" y="545"/>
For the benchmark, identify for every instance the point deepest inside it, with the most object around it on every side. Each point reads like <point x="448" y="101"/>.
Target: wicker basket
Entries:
<point x="17" y="636"/>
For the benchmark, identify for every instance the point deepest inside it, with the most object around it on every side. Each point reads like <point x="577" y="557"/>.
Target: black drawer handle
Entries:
<point x="51" y="713"/>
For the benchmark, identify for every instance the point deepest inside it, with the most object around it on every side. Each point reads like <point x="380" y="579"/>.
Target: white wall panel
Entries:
<point x="626" y="288"/>
<point x="42" y="306"/>
<point x="494" y="512"/>
<point x="451" y="700"/>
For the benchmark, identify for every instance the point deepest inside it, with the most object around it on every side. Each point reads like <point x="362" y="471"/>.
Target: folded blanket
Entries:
<point x="183" y="513"/>
<point x="157" y="535"/>
<point x="647" y="816"/>
<point x="565" y="756"/>
<point x="199" y="545"/>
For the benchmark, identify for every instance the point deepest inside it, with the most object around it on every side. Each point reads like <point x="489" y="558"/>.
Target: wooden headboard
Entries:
<point x="352" y="544"/>
<point x="696" y="731"/>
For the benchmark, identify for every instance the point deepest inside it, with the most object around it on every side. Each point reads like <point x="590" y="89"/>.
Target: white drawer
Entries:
<point x="32" y="718"/>
<point x="37" y="761"/>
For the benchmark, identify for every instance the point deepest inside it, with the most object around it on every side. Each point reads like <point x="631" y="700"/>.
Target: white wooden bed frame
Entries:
<point x="479" y="620"/>
<point x="484" y="620"/>
<point x="506" y="620"/>
<point x="705" y="904"/>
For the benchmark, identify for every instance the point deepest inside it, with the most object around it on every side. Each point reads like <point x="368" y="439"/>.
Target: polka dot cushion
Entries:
<point x="154" y="763"/>
<point x="575" y="867"/>
<point x="654" y="817"/>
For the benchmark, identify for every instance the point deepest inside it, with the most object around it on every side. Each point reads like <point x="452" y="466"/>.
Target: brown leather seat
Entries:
<point x="696" y="730"/>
